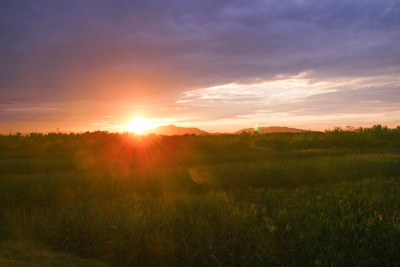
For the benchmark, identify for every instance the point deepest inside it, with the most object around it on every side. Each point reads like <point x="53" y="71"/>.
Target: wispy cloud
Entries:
<point x="271" y="91"/>
<point x="301" y="100"/>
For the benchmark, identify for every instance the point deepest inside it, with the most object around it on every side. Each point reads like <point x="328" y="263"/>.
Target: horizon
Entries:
<point x="80" y="66"/>
<point x="151" y="131"/>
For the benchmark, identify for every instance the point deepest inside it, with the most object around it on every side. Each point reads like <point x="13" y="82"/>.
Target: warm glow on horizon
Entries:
<point x="139" y="125"/>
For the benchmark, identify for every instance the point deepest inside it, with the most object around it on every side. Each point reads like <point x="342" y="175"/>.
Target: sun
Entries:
<point x="138" y="125"/>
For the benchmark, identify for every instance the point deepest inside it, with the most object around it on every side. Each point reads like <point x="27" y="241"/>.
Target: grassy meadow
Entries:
<point x="96" y="199"/>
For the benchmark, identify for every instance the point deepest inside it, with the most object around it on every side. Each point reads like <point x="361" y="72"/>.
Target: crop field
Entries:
<point x="101" y="199"/>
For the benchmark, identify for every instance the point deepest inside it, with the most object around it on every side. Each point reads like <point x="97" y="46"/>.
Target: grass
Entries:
<point x="201" y="200"/>
<point x="28" y="254"/>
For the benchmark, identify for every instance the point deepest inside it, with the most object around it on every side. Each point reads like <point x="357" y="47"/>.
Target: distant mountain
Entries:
<point x="174" y="130"/>
<point x="272" y="129"/>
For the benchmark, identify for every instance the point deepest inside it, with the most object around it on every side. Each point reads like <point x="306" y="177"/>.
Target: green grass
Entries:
<point x="201" y="200"/>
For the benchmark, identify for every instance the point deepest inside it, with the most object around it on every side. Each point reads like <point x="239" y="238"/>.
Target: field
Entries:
<point x="308" y="198"/>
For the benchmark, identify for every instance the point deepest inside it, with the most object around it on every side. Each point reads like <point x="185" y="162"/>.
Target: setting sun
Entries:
<point x="138" y="125"/>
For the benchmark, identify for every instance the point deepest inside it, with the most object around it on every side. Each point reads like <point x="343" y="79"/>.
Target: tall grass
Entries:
<point x="206" y="200"/>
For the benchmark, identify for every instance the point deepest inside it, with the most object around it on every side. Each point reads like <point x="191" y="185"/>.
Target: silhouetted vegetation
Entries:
<point x="308" y="198"/>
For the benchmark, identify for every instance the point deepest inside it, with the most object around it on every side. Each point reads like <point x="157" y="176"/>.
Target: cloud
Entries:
<point x="152" y="52"/>
<point x="295" y="97"/>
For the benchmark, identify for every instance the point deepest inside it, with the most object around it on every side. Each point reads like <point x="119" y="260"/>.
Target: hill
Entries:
<point x="174" y="130"/>
<point x="271" y="129"/>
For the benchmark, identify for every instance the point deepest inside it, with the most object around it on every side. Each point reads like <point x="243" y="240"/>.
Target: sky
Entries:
<point x="220" y="65"/>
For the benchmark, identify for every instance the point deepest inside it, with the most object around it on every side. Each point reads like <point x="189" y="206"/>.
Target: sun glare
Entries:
<point x="138" y="125"/>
